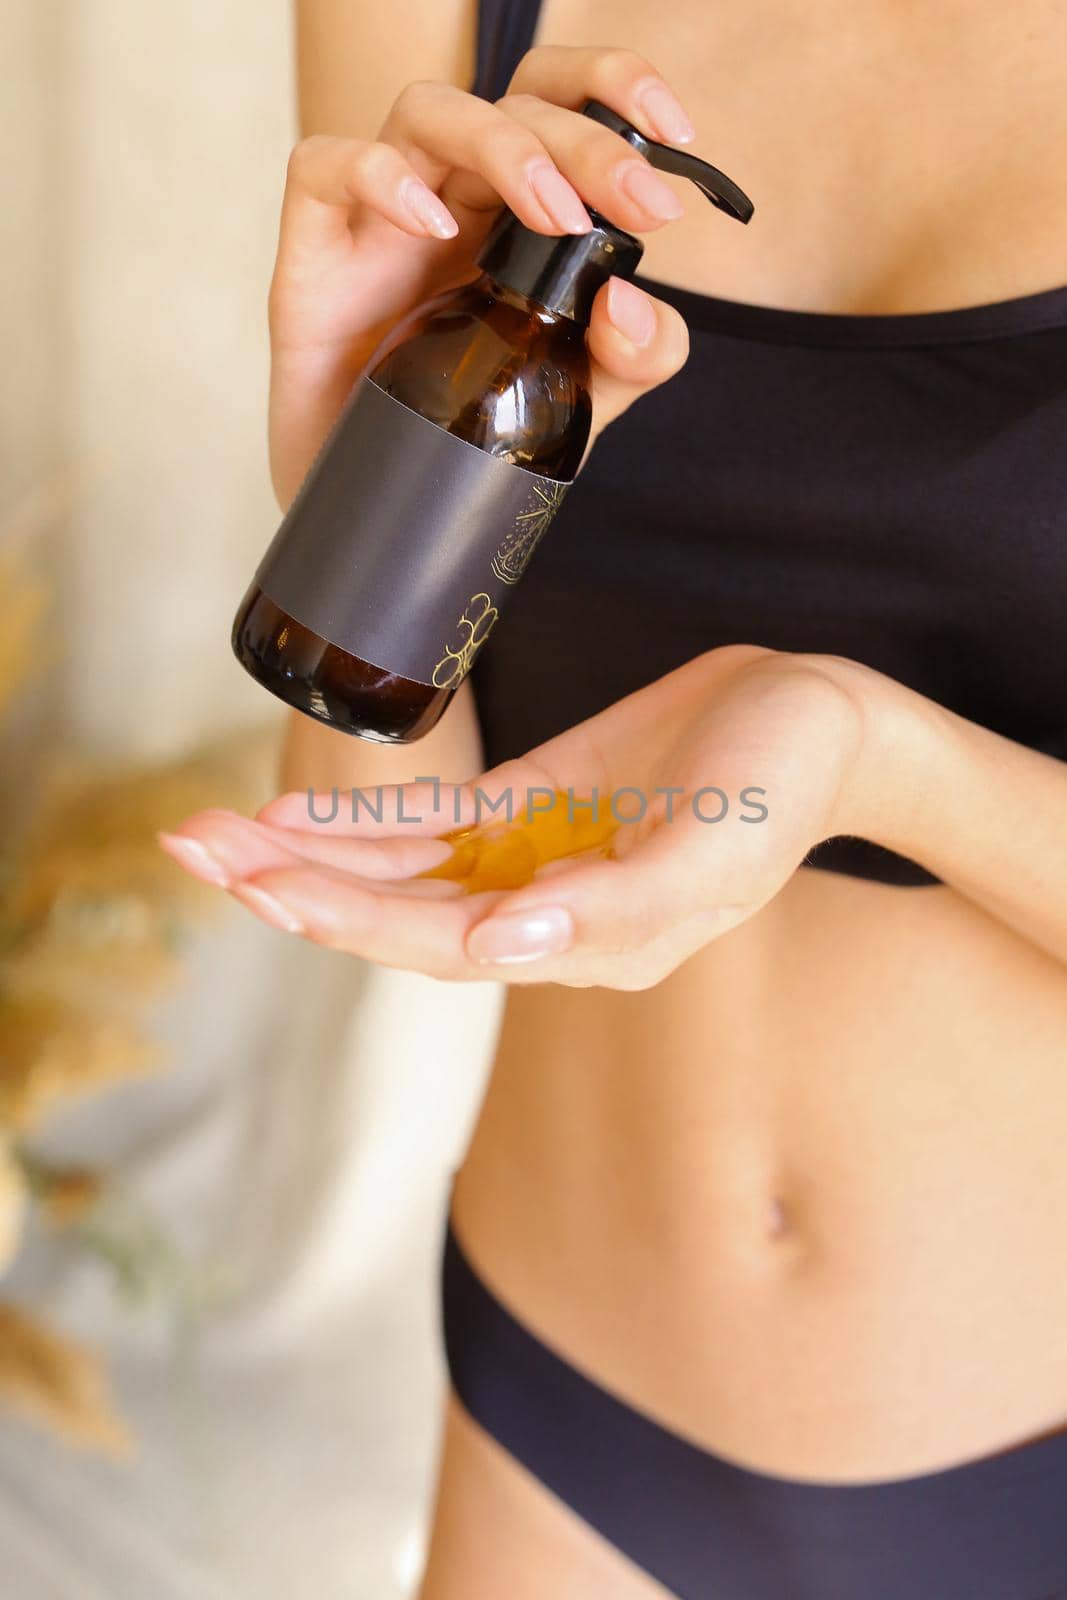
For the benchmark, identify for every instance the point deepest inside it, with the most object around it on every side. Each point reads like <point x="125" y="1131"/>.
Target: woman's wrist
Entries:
<point x="895" y="786"/>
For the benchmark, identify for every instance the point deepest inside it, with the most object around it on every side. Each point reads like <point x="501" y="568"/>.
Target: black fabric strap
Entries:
<point x="506" y="30"/>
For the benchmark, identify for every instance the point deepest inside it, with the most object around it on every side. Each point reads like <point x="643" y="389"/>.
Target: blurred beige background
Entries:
<point x="144" y="150"/>
<point x="303" y="1137"/>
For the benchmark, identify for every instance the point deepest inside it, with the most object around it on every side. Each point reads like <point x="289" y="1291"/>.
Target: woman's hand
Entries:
<point x="737" y="765"/>
<point x="372" y="227"/>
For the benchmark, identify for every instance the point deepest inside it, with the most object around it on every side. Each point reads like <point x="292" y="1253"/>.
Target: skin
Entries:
<point x="812" y="1124"/>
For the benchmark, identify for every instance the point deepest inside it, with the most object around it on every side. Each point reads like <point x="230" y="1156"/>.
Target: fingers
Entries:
<point x="491" y="157"/>
<point x="607" y="172"/>
<point x="621" y="79"/>
<point x="420" y="809"/>
<point x="441" y="149"/>
<point x="221" y="848"/>
<point x="540" y="158"/>
<point x="625" y="924"/>
<point x="590" y="922"/>
<point x="636" y="342"/>
<point x="400" y="810"/>
<point x="612" y="908"/>
<point x="328" y="176"/>
<point x="352" y="895"/>
<point x="421" y="926"/>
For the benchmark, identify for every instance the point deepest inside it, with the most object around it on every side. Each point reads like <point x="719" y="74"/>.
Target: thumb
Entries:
<point x="636" y="342"/>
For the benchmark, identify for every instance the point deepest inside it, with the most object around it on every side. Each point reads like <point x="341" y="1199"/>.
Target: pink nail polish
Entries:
<point x="559" y="199"/>
<point x="429" y="212"/>
<point x="630" y="312"/>
<point x="195" y="858"/>
<point x="521" y="936"/>
<point x="665" y="113"/>
<point x="268" y="907"/>
<point x="641" y="185"/>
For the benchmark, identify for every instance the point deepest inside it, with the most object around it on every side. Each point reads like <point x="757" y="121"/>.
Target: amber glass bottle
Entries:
<point x="442" y="473"/>
<point x="493" y="368"/>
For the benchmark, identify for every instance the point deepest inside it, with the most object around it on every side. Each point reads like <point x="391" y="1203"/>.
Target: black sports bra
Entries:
<point x="888" y="488"/>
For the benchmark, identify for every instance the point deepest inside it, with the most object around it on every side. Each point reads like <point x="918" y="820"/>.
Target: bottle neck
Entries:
<point x="522" y="302"/>
<point x="560" y="274"/>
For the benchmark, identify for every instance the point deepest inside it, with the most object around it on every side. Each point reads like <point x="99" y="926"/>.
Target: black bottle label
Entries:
<point x="404" y="540"/>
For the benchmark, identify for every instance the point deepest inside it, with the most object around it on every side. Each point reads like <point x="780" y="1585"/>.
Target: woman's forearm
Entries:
<point x="317" y="757"/>
<point x="984" y="814"/>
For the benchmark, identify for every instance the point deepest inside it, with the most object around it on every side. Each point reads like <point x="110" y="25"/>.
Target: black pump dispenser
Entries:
<point x="564" y="273"/>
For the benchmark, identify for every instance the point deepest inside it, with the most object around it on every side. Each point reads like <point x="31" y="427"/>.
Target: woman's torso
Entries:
<point x="803" y="1201"/>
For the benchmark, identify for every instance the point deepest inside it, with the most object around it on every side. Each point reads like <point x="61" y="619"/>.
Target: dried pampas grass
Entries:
<point x="12" y="1205"/>
<point x="49" y="1379"/>
<point x="92" y="921"/>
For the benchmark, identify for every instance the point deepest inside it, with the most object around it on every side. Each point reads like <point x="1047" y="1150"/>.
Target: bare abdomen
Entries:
<point x="805" y="1202"/>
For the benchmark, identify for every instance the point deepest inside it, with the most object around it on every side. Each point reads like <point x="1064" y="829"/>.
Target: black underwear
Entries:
<point x="992" y="1529"/>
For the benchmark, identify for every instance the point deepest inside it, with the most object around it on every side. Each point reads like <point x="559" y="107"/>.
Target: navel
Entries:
<point x="780" y="1221"/>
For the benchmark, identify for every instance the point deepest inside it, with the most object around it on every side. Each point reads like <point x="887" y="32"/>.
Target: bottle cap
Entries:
<point x="564" y="273"/>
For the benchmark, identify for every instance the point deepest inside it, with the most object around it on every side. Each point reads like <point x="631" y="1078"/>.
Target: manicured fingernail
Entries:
<point x="665" y="113"/>
<point x="429" y="212"/>
<point x="268" y="907"/>
<point x="521" y="935"/>
<point x="195" y="858"/>
<point x="630" y="312"/>
<point x="647" y="190"/>
<point x="559" y="199"/>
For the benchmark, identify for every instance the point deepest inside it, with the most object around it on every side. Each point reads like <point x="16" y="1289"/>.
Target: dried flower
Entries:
<point x="50" y="1052"/>
<point x="94" y="836"/>
<point x="90" y="917"/>
<point x="25" y="599"/>
<point x="94" y="910"/>
<point x="67" y="1195"/>
<point x="51" y="1379"/>
<point x="12" y="1205"/>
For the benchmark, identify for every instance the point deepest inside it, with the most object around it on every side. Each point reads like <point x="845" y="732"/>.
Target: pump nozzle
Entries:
<point x="719" y="189"/>
<point x="564" y="274"/>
